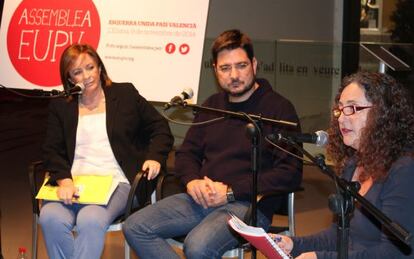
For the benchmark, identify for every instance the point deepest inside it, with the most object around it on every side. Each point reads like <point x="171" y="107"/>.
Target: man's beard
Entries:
<point x="247" y="88"/>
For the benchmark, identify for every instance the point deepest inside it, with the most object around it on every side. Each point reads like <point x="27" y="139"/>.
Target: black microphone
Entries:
<point x="77" y="89"/>
<point x="320" y="138"/>
<point x="186" y="94"/>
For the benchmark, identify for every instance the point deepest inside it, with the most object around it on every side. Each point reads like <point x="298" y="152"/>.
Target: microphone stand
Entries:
<point x="41" y="94"/>
<point x="254" y="132"/>
<point x="343" y="205"/>
<point x="239" y="115"/>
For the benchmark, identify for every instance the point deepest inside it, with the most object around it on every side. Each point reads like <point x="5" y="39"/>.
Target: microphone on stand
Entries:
<point x="320" y="137"/>
<point x="77" y="89"/>
<point x="179" y="99"/>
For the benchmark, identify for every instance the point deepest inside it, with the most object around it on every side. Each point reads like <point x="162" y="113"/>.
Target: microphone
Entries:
<point x="186" y="94"/>
<point x="77" y="89"/>
<point x="320" y="138"/>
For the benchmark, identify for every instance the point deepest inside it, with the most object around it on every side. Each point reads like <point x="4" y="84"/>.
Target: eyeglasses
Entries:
<point x="348" y="110"/>
<point x="227" y="68"/>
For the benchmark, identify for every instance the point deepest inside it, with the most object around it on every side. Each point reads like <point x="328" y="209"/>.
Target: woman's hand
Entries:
<point x="307" y="255"/>
<point x="286" y="244"/>
<point x="283" y="242"/>
<point x="153" y="168"/>
<point x="66" y="190"/>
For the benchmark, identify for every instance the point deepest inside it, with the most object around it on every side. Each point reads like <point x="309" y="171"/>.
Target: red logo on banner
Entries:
<point x="170" y="48"/>
<point x="40" y="30"/>
<point x="184" y="48"/>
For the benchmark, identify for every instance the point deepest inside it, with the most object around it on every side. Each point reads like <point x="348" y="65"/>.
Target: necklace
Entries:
<point x="91" y="102"/>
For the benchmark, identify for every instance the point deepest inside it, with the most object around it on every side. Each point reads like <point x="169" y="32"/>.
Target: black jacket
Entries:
<point x="136" y="132"/>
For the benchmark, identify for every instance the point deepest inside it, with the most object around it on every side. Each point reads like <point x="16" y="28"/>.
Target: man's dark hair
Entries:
<point x="232" y="39"/>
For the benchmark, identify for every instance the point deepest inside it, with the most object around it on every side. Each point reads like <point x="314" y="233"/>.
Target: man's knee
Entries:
<point x="134" y="226"/>
<point x="128" y="227"/>
<point x="194" y="248"/>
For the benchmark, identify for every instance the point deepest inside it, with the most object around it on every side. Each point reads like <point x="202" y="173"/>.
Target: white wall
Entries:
<point x="274" y="19"/>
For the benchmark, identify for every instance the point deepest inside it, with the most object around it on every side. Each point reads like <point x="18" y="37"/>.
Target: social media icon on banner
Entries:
<point x="184" y="48"/>
<point x="170" y="48"/>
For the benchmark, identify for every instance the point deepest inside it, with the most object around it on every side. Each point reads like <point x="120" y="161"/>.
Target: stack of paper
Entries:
<point x="92" y="189"/>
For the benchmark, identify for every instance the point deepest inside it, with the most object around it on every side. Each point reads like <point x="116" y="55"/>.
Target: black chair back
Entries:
<point x="140" y="193"/>
<point x="167" y="185"/>
<point x="36" y="177"/>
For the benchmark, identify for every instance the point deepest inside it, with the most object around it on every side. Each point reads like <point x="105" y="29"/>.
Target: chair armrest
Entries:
<point x="277" y="193"/>
<point x="266" y="196"/>
<point x="168" y="184"/>
<point x="141" y="188"/>
<point x="160" y="183"/>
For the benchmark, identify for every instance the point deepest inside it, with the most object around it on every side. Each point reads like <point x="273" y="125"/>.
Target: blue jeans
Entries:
<point x="92" y="221"/>
<point x="208" y="235"/>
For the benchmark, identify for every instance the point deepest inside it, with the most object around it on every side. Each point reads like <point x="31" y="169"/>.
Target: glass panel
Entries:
<point x="308" y="73"/>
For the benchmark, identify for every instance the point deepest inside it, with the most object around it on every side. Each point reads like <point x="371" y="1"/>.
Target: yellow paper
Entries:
<point x="92" y="189"/>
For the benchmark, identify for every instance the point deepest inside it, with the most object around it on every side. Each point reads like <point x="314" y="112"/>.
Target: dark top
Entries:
<point x="222" y="150"/>
<point x="136" y="132"/>
<point x="367" y="239"/>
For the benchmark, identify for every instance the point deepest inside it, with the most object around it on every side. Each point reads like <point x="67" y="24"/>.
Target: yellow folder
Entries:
<point x="92" y="189"/>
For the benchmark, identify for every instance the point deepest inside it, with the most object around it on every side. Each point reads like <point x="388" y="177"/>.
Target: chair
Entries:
<point x="168" y="185"/>
<point x="287" y="209"/>
<point x="1" y="253"/>
<point x="138" y="197"/>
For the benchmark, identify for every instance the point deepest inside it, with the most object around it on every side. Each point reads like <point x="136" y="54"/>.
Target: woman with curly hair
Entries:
<point x="372" y="142"/>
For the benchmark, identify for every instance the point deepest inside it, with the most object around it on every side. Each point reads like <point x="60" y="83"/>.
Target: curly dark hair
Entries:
<point x="389" y="128"/>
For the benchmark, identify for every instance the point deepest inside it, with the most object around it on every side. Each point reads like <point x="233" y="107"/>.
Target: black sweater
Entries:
<point x="222" y="150"/>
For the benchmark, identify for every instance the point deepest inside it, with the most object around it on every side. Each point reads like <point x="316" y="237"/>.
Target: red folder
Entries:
<point x="258" y="238"/>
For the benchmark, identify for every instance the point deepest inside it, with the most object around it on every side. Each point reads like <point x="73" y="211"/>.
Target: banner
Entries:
<point x="157" y="45"/>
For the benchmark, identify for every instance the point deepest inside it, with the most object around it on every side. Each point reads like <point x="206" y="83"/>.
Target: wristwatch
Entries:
<point x="230" y="194"/>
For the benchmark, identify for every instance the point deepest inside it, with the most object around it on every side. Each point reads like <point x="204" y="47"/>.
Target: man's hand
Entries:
<point x="207" y="193"/>
<point x="153" y="168"/>
<point x="66" y="190"/>
<point x="200" y="191"/>
<point x="220" y="196"/>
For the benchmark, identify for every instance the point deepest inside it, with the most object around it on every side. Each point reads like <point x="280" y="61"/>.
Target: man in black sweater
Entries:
<point x="214" y="163"/>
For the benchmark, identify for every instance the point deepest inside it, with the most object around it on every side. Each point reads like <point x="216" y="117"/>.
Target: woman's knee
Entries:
<point x="55" y="215"/>
<point x="94" y="217"/>
<point x="92" y="223"/>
